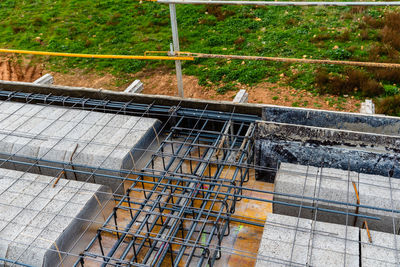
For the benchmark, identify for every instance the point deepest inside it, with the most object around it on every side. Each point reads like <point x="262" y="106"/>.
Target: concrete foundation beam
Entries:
<point x="134" y="88"/>
<point x="316" y="146"/>
<point x="41" y="223"/>
<point x="45" y="79"/>
<point x="292" y="241"/>
<point x="241" y="97"/>
<point x="270" y="153"/>
<point x="95" y="139"/>
<point x="337" y="185"/>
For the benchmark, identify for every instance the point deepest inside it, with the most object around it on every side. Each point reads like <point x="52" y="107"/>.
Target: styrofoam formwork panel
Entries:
<point x="68" y="135"/>
<point x="337" y="185"/>
<point x="291" y="241"/>
<point x="382" y="251"/>
<point x="39" y="223"/>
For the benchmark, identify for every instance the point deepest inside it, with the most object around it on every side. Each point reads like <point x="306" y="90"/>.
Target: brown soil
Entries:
<point x="163" y="82"/>
<point x="80" y="78"/>
<point x="24" y="71"/>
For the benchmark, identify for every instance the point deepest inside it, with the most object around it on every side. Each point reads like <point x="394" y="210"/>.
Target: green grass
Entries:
<point x="128" y="27"/>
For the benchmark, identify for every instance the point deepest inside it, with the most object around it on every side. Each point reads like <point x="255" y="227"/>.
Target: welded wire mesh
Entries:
<point x="185" y="199"/>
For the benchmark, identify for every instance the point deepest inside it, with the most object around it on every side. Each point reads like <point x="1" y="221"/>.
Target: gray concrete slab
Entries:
<point x="136" y="87"/>
<point x="367" y="107"/>
<point x="38" y="220"/>
<point x="291" y="241"/>
<point x="241" y="97"/>
<point x="60" y="135"/>
<point x="336" y="185"/>
<point x="45" y="79"/>
<point x="383" y="251"/>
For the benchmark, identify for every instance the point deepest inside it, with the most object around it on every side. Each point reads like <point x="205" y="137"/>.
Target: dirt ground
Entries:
<point x="163" y="82"/>
<point x="160" y="82"/>
<point x="19" y="70"/>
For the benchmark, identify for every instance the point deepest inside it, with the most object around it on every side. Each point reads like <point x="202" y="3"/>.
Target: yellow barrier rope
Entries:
<point x="42" y="53"/>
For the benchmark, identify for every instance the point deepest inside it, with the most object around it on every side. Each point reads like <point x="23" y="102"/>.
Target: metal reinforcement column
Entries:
<point x="175" y="40"/>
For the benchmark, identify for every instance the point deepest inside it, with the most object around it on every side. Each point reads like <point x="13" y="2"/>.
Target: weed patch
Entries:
<point x="354" y="82"/>
<point x="390" y="89"/>
<point x="228" y="87"/>
<point x="389" y="105"/>
<point x="344" y="37"/>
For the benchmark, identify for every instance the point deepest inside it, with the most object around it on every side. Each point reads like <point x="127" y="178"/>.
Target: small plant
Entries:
<point x="355" y="81"/>
<point x="373" y="22"/>
<point x="292" y="21"/>
<point x="219" y="12"/>
<point x="227" y="87"/>
<point x="18" y="29"/>
<point x="338" y="53"/>
<point x="389" y="105"/>
<point x="364" y="35"/>
<point x="392" y="20"/>
<point x="372" y="88"/>
<point x="317" y="105"/>
<point x="295" y="104"/>
<point x="239" y="40"/>
<point x="344" y="37"/>
<point x="390" y="90"/>
<point x="390" y="36"/>
<point x="114" y="19"/>
<point x="275" y="98"/>
<point x="202" y="81"/>
<point x="339" y="107"/>
<point x="320" y="37"/>
<point x="357" y="9"/>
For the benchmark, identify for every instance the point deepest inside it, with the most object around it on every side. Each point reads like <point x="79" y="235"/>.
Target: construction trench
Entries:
<point x="101" y="178"/>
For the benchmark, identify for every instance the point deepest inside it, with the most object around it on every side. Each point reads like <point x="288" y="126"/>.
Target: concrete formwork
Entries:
<point x="40" y="223"/>
<point x="336" y="185"/>
<point x="316" y="146"/>
<point x="331" y="119"/>
<point x="382" y="251"/>
<point x="29" y="132"/>
<point x="291" y="241"/>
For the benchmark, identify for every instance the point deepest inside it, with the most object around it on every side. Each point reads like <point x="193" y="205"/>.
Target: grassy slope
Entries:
<point x="127" y="27"/>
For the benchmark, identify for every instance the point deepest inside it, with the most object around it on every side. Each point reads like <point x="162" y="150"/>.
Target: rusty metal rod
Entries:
<point x="300" y="60"/>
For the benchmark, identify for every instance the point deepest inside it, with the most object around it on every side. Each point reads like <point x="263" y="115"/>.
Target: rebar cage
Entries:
<point x="185" y="208"/>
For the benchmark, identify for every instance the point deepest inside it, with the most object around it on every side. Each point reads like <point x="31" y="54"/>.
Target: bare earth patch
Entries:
<point x="80" y="78"/>
<point x="163" y="82"/>
<point x="22" y="70"/>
